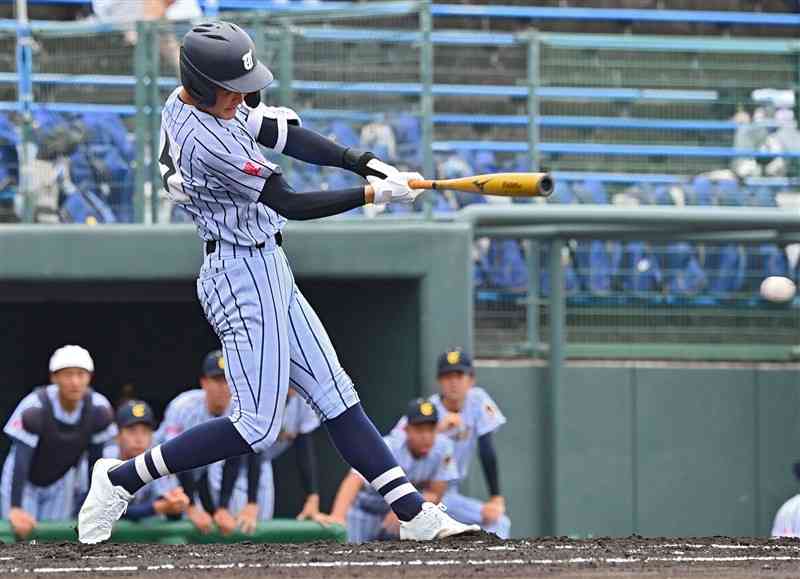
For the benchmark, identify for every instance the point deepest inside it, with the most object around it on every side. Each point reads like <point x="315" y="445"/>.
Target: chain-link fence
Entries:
<point x="644" y="299"/>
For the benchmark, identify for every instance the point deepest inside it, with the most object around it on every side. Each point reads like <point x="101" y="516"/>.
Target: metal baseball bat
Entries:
<point x="502" y="184"/>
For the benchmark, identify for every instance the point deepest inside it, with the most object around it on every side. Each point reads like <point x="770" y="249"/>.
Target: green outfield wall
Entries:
<point x="656" y="449"/>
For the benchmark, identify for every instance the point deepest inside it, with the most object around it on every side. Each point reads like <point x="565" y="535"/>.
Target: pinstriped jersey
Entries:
<point x="186" y="410"/>
<point x="214" y="169"/>
<point x="438" y="465"/>
<point x="479" y="416"/>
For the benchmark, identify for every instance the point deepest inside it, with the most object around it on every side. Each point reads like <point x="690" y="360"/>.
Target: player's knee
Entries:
<point x="257" y="430"/>
<point x="334" y="394"/>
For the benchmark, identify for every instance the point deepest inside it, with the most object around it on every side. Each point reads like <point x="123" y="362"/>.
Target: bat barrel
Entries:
<point x="546" y="185"/>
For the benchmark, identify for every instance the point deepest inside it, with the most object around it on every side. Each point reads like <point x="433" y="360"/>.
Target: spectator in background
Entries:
<point x="468" y="417"/>
<point x="787" y="519"/>
<point x="379" y="138"/>
<point x="122" y="12"/>
<point x="786" y="139"/>
<point x="53" y="430"/>
<point x="135" y="423"/>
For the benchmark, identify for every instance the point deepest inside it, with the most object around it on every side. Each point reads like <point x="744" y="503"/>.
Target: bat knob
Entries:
<point x="546" y="186"/>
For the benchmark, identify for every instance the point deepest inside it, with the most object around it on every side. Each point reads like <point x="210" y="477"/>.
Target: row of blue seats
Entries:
<point x="598" y="268"/>
<point x="100" y="162"/>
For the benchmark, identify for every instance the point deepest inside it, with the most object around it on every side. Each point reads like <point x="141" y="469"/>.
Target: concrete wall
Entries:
<point x="651" y="449"/>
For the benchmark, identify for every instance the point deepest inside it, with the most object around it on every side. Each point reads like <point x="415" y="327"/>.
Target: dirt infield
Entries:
<point x="477" y="556"/>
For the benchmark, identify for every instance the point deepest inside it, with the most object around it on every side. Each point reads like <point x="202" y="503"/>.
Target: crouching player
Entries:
<point x="136" y="423"/>
<point x="426" y="457"/>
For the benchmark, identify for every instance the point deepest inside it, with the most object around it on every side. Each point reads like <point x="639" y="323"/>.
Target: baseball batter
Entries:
<point x="427" y="458"/>
<point x="212" y="166"/>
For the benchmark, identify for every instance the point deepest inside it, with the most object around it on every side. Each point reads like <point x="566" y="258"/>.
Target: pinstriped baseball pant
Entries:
<point x="271" y="338"/>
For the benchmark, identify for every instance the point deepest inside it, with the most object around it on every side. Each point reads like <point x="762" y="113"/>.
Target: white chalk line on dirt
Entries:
<point x="399" y="563"/>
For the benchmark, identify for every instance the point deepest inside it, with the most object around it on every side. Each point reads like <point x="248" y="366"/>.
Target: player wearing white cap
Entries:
<point x="52" y="430"/>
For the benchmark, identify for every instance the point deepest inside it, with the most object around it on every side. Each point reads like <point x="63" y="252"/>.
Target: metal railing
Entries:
<point x="683" y="312"/>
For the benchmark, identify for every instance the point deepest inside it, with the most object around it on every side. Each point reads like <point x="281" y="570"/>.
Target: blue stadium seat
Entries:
<point x="701" y="192"/>
<point x="485" y="162"/>
<point x="725" y="266"/>
<point x="764" y="260"/>
<point x="344" y="133"/>
<point x="502" y="266"/>
<point x="729" y="193"/>
<point x="595" y="264"/>
<point x="763" y="197"/>
<point x="681" y="269"/>
<point x="639" y="269"/>
<point x="9" y="161"/>
<point x="562" y="194"/>
<point x="593" y="191"/>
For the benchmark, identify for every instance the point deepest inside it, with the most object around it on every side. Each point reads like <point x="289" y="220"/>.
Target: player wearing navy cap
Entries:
<point x="212" y="166"/>
<point x="136" y="423"/>
<point x="427" y="458"/>
<point x="468" y="417"/>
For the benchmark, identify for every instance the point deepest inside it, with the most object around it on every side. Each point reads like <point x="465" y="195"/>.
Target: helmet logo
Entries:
<point x="247" y="60"/>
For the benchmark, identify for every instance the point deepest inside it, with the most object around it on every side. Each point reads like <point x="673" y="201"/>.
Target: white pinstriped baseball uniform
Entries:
<point x="271" y="337"/>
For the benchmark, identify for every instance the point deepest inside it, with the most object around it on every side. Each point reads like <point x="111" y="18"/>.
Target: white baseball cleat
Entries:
<point x="103" y="506"/>
<point x="432" y="522"/>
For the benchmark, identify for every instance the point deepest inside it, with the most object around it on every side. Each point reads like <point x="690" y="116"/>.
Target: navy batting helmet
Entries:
<point x="220" y="54"/>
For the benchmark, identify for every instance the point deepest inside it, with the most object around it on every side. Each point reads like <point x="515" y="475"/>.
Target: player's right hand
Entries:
<point x="22" y="522"/>
<point x="452" y="420"/>
<point x="247" y="519"/>
<point x="174" y="502"/>
<point x="200" y="519"/>
<point x="492" y="510"/>
<point x="327" y="520"/>
<point x="225" y="521"/>
<point x="394" y="188"/>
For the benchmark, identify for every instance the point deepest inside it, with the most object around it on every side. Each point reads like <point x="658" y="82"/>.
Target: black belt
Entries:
<point x="211" y="246"/>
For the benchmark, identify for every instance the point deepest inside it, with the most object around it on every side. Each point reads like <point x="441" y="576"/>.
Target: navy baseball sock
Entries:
<point x="203" y="444"/>
<point x="361" y="445"/>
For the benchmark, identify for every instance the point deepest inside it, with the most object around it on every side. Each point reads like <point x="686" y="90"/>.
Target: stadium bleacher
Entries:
<point x="638" y="133"/>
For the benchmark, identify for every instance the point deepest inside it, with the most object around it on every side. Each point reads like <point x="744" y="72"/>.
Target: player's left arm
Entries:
<point x="490" y="419"/>
<point x="280" y="129"/>
<point x="307" y="465"/>
<point x="488" y="458"/>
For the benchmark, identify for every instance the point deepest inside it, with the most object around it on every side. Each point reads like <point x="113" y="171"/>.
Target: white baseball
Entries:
<point x="778" y="289"/>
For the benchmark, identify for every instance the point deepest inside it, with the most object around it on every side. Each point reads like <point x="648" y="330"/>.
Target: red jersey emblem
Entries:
<point x="252" y="169"/>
